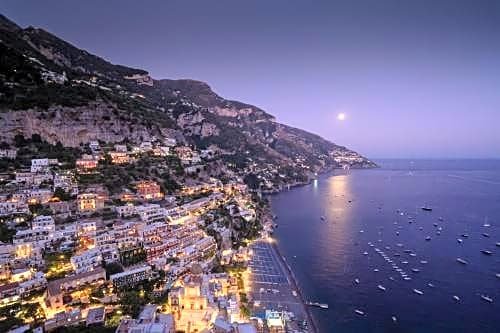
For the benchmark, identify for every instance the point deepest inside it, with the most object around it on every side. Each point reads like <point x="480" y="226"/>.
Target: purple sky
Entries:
<point x="415" y="78"/>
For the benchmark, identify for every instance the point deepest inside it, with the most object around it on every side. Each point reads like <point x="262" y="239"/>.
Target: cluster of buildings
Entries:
<point x="63" y="241"/>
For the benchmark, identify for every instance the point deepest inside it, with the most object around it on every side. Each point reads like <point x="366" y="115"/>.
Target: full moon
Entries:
<point x="341" y="116"/>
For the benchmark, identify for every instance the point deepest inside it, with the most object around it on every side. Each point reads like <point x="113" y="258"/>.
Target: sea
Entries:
<point x="369" y="225"/>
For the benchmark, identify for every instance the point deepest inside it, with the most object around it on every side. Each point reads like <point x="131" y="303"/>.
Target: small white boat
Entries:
<point x="498" y="275"/>
<point x="465" y="235"/>
<point x="419" y="292"/>
<point x="356" y="281"/>
<point x="463" y="262"/>
<point x="365" y="253"/>
<point x="394" y="319"/>
<point x="460" y="240"/>
<point x="456" y="298"/>
<point x="486" y="235"/>
<point x="487" y="225"/>
<point x="428" y="238"/>
<point x="430" y="285"/>
<point x="404" y="262"/>
<point x="361" y="231"/>
<point x="407" y="278"/>
<point x="488" y="253"/>
<point x="359" y="312"/>
<point x="375" y="270"/>
<point x="392" y="279"/>
<point x="415" y="270"/>
<point x="413" y="254"/>
<point x="423" y="262"/>
<point x="497" y="244"/>
<point x="381" y="287"/>
<point x="487" y="298"/>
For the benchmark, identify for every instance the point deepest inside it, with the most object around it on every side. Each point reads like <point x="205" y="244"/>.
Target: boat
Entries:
<point x="394" y="319"/>
<point x="456" y="298"/>
<point x="361" y="231"/>
<point x="365" y="253"/>
<point x="426" y="208"/>
<point x="416" y="291"/>
<point x="381" y="287"/>
<point x="415" y="270"/>
<point x="397" y="255"/>
<point x="497" y="244"/>
<point x="486" y="235"/>
<point x="375" y="270"/>
<point x="407" y="278"/>
<point x="460" y="240"/>
<point x="413" y="254"/>
<point x="465" y="235"/>
<point x="487" y="298"/>
<point x="488" y="253"/>
<point x="407" y="251"/>
<point x="440" y="219"/>
<point x="486" y="225"/>
<point x="392" y="279"/>
<point x="498" y="275"/>
<point x="319" y="305"/>
<point x="294" y="293"/>
<point x="356" y="281"/>
<point x="423" y="262"/>
<point x="435" y="224"/>
<point x="460" y="260"/>
<point x="428" y="238"/>
<point x="430" y="285"/>
<point x="404" y="262"/>
<point x="359" y="312"/>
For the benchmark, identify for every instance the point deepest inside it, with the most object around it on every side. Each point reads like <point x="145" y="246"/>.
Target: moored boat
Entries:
<point x="487" y="298"/>
<point x="419" y="292"/>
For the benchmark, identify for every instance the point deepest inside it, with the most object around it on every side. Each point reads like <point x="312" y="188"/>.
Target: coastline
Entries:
<point x="293" y="281"/>
<point x="268" y="219"/>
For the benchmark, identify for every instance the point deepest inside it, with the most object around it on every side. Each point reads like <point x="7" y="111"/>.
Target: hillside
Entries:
<point x="67" y="95"/>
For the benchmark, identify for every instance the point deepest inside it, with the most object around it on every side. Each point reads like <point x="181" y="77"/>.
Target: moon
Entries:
<point x="341" y="116"/>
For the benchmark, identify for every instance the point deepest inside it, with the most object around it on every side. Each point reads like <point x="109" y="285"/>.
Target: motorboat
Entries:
<point x="415" y="270"/>
<point x="460" y="240"/>
<point x="359" y="312"/>
<point x="416" y="291"/>
<point x="456" y="298"/>
<point x="460" y="260"/>
<point x="487" y="298"/>
<point x="381" y="287"/>
<point x="356" y="281"/>
<point x="488" y="253"/>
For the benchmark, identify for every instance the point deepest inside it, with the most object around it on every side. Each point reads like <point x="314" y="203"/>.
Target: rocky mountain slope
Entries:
<point x="50" y="87"/>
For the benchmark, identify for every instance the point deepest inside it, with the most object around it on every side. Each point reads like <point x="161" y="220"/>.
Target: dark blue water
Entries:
<point x="329" y="254"/>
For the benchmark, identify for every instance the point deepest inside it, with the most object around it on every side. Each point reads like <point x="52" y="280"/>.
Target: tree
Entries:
<point x="131" y="303"/>
<point x="113" y="268"/>
<point x="62" y="194"/>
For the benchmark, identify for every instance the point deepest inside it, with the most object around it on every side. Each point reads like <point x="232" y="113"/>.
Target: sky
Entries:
<point x="415" y="79"/>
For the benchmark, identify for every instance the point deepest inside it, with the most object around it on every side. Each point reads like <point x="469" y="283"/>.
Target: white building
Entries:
<point x="151" y="213"/>
<point x="13" y="207"/>
<point x="39" y="164"/>
<point x="38" y="237"/>
<point x="43" y="222"/>
<point x="125" y="210"/>
<point x="131" y="277"/>
<point x="86" y="261"/>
